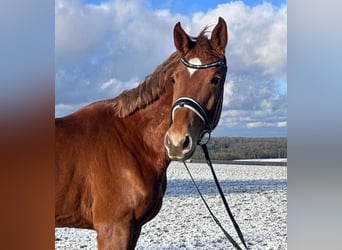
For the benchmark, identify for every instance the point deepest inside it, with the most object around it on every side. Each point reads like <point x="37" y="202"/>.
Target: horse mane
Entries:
<point x="146" y="92"/>
<point x="149" y="90"/>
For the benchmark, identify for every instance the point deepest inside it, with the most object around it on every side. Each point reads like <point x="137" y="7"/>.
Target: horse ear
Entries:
<point x="182" y="41"/>
<point x="219" y="36"/>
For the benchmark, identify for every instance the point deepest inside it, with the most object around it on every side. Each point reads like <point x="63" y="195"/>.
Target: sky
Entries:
<point x="104" y="47"/>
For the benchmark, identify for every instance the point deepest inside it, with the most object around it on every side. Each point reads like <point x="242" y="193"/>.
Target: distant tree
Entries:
<point x="233" y="148"/>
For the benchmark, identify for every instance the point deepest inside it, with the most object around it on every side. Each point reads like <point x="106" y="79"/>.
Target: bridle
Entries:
<point x="210" y="121"/>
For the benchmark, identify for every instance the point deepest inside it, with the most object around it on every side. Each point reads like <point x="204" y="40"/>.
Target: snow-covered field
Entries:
<point x="257" y="196"/>
<point x="266" y="160"/>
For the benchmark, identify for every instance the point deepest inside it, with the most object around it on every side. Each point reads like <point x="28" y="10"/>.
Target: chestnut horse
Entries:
<point x="112" y="155"/>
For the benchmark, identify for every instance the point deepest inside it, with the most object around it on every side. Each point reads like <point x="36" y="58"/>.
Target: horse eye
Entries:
<point x="215" y="80"/>
<point x="173" y="80"/>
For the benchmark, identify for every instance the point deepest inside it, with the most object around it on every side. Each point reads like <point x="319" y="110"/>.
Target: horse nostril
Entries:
<point x="186" y="142"/>
<point x="167" y="140"/>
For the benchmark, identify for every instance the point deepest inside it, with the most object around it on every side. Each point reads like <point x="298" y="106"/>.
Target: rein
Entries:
<point x="210" y="122"/>
<point x="236" y="226"/>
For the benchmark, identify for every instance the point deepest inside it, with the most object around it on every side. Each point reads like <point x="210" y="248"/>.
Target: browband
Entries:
<point x="220" y="63"/>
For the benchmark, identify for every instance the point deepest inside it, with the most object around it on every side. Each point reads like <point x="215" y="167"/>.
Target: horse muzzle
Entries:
<point x="180" y="141"/>
<point x="179" y="147"/>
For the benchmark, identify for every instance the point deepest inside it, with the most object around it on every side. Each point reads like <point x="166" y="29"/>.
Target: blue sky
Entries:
<point x="189" y="7"/>
<point x="97" y="55"/>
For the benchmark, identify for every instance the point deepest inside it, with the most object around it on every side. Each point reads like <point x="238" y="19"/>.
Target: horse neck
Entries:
<point x="150" y="125"/>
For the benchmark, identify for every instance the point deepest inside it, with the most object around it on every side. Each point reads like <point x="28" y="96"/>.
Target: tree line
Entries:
<point x="236" y="148"/>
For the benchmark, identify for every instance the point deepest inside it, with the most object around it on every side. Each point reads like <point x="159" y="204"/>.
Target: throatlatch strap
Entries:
<point x="236" y="226"/>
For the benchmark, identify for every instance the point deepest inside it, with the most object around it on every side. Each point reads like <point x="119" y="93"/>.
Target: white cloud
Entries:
<point x="257" y="35"/>
<point x="115" y="86"/>
<point x="116" y="39"/>
<point x="64" y="109"/>
<point x="78" y="28"/>
<point x="282" y="124"/>
<point x="256" y="124"/>
<point x="251" y="125"/>
<point x="105" y="48"/>
<point x="228" y="92"/>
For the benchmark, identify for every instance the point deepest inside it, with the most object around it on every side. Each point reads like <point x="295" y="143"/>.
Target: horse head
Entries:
<point x="198" y="82"/>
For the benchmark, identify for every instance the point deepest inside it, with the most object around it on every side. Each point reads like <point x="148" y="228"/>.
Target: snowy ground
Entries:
<point x="257" y="196"/>
<point x="266" y="160"/>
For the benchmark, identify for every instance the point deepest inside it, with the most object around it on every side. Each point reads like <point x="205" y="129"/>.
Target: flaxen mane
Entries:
<point x="153" y="85"/>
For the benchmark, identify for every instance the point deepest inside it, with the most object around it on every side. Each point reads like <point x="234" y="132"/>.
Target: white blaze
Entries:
<point x="195" y="61"/>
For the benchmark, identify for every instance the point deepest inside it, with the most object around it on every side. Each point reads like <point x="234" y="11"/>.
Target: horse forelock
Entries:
<point x="203" y="48"/>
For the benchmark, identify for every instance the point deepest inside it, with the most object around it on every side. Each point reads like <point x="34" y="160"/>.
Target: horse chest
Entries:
<point x="150" y="203"/>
